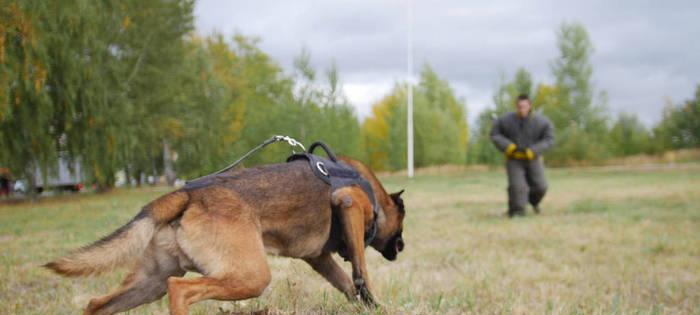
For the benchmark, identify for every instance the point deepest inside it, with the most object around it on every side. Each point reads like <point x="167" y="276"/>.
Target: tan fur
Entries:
<point x="223" y="231"/>
<point x="390" y="219"/>
<point x="168" y="207"/>
<point x="122" y="246"/>
<point x="355" y="211"/>
<point x="99" y="258"/>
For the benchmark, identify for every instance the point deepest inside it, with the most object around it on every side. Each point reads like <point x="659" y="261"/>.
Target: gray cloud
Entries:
<point x="645" y="50"/>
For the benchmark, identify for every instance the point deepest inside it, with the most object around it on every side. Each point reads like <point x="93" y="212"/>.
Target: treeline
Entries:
<point x="129" y="86"/>
<point x="440" y="126"/>
<point x="586" y="132"/>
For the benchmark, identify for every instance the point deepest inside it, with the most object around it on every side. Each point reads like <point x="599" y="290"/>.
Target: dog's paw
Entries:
<point x="364" y="295"/>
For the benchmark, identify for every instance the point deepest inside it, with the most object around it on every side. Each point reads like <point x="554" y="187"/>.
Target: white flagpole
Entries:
<point x="409" y="122"/>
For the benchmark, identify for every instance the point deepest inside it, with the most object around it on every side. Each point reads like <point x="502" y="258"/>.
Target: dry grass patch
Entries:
<point x="611" y="240"/>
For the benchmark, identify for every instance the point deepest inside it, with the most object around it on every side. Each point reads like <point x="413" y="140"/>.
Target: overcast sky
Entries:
<point x="645" y="51"/>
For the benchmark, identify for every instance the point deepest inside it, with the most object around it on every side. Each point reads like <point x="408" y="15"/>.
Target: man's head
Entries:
<point x="523" y="105"/>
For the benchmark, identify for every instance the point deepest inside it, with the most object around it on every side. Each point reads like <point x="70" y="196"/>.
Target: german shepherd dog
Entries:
<point x="224" y="230"/>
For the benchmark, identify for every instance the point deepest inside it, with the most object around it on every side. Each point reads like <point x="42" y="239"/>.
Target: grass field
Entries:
<point x="610" y="241"/>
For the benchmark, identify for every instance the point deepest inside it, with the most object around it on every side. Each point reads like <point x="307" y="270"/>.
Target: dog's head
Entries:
<point x="389" y="240"/>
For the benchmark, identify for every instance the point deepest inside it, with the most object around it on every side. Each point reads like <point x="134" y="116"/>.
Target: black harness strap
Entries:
<point x="339" y="174"/>
<point x="335" y="173"/>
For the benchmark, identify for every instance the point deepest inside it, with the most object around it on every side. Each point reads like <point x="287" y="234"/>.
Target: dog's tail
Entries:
<point x="121" y="246"/>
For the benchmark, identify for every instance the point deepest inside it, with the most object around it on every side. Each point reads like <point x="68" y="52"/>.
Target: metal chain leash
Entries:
<point x="291" y="141"/>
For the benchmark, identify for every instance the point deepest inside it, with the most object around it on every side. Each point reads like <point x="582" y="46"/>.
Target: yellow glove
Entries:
<point x="518" y="155"/>
<point x="528" y="155"/>
<point x="510" y="150"/>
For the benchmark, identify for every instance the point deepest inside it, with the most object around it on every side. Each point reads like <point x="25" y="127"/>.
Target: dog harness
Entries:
<point x="339" y="174"/>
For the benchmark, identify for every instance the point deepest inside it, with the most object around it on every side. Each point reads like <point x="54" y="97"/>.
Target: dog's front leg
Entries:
<point x="352" y="206"/>
<point x="329" y="269"/>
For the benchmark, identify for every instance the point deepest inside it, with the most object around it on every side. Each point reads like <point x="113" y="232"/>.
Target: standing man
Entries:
<point x="523" y="136"/>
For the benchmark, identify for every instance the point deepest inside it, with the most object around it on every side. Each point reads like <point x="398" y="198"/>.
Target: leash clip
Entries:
<point x="291" y="141"/>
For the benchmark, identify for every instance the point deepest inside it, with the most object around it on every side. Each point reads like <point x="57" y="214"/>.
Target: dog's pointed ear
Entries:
<point x="397" y="194"/>
<point x="396" y="198"/>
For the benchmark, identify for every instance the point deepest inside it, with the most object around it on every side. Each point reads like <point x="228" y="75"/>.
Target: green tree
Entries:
<point x="59" y="72"/>
<point x="581" y="125"/>
<point x="26" y="108"/>
<point x="522" y="84"/>
<point x="323" y="111"/>
<point x="80" y="74"/>
<point x="245" y="100"/>
<point x="152" y="50"/>
<point x="441" y="131"/>
<point x="680" y="125"/>
<point x="339" y="126"/>
<point x="384" y="132"/>
<point x="628" y="136"/>
<point x="211" y="105"/>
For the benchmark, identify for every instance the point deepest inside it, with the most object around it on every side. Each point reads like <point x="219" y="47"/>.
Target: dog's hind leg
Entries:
<point x="146" y="283"/>
<point x="226" y="246"/>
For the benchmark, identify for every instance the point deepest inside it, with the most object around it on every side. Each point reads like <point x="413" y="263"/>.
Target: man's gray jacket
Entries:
<point x="534" y="132"/>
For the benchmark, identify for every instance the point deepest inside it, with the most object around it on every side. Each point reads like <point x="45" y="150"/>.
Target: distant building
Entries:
<point x="68" y="177"/>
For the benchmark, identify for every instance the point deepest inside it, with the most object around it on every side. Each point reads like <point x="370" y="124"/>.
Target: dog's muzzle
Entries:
<point x="393" y="247"/>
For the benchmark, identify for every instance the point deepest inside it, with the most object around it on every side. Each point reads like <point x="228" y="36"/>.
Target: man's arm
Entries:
<point x="546" y="139"/>
<point x="499" y="139"/>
